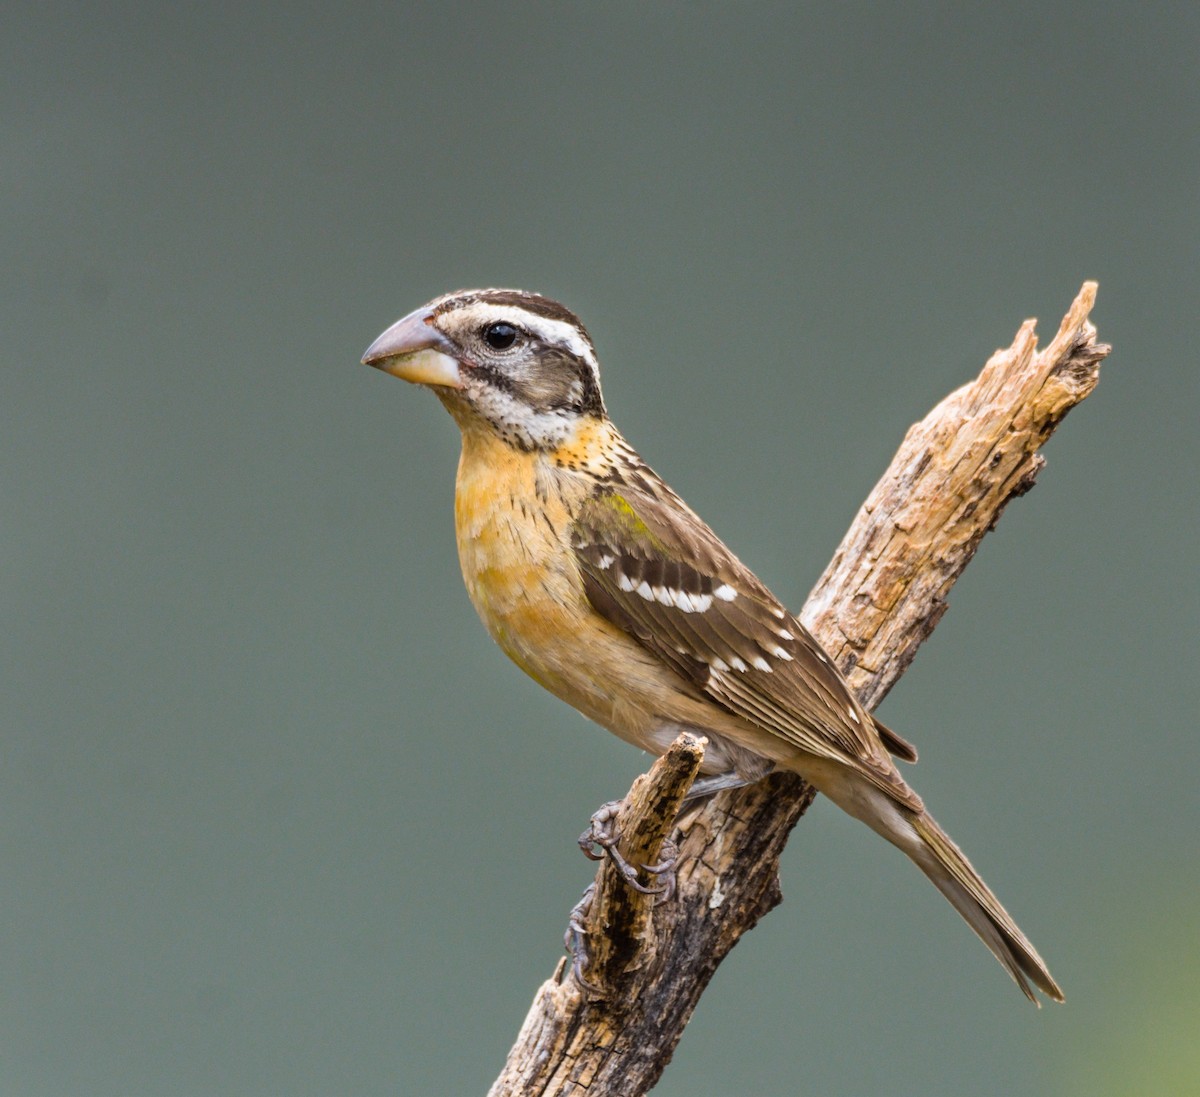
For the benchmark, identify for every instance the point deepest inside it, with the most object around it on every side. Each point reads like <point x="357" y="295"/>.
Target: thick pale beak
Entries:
<point x="414" y="350"/>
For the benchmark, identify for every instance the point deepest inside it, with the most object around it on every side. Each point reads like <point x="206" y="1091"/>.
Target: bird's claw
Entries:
<point x="600" y="831"/>
<point x="575" y="939"/>
<point x="664" y="870"/>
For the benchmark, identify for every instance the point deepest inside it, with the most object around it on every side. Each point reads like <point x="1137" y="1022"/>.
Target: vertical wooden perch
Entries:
<point x="878" y="600"/>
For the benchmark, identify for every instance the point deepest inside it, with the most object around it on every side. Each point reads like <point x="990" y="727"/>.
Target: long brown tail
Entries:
<point x="945" y="864"/>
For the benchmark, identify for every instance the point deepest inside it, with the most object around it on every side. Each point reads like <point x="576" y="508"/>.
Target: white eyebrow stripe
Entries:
<point x="557" y="333"/>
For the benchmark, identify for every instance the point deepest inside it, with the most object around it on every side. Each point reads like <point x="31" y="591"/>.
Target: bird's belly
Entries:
<point x="538" y="617"/>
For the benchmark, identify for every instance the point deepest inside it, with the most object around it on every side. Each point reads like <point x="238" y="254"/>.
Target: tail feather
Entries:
<point x="946" y="865"/>
<point x="896" y="744"/>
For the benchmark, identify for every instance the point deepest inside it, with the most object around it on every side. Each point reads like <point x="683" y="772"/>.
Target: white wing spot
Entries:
<point x="785" y="635"/>
<point x="605" y="562"/>
<point x="782" y="653"/>
<point x="853" y="714"/>
<point x="761" y="663"/>
<point x="780" y="613"/>
<point x="725" y="592"/>
<point x="737" y="664"/>
<point x="690" y="603"/>
<point x="719" y="665"/>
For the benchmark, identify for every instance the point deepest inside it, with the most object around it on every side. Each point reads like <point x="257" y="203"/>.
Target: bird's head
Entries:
<point x="521" y="362"/>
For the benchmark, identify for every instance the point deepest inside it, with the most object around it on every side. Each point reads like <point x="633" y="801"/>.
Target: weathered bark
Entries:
<point x="880" y="597"/>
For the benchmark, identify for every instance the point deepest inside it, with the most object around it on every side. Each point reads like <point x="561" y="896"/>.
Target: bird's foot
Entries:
<point x="575" y="939"/>
<point x="601" y="835"/>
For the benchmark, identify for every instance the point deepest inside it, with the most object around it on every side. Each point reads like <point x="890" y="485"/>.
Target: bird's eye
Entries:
<point x="500" y="336"/>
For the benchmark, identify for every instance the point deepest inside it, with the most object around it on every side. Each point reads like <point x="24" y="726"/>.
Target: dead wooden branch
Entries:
<point x="878" y="600"/>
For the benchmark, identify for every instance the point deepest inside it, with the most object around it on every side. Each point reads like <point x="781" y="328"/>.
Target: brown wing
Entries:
<point x="652" y="567"/>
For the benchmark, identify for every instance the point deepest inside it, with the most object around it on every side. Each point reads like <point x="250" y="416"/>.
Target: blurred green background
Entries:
<point x="277" y="818"/>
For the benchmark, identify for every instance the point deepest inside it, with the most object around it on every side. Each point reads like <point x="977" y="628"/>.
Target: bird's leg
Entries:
<point x="601" y="833"/>
<point x="707" y="786"/>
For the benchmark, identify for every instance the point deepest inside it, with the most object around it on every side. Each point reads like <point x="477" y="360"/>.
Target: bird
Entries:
<point x="608" y="590"/>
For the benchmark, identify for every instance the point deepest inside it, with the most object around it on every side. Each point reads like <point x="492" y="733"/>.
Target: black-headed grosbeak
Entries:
<point x="607" y="589"/>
